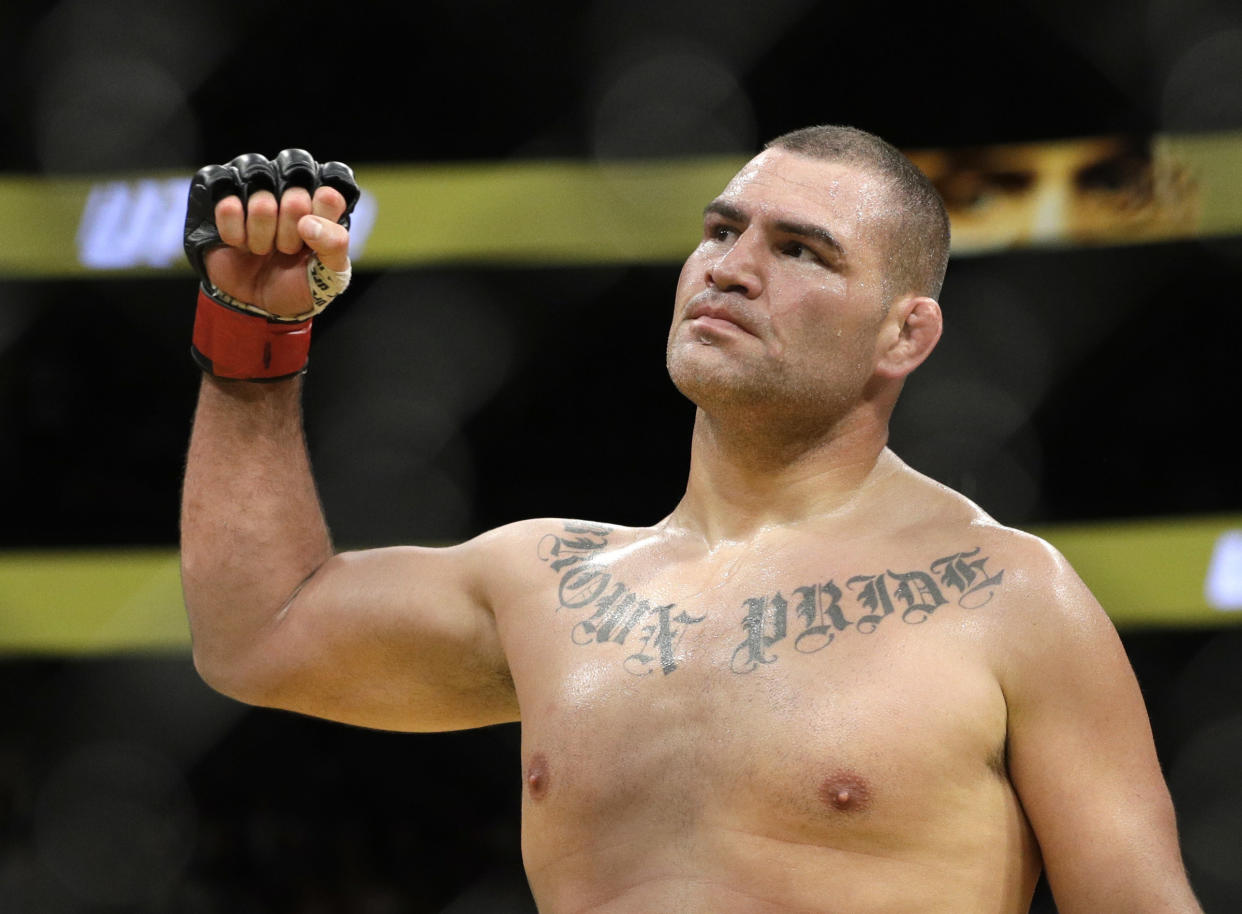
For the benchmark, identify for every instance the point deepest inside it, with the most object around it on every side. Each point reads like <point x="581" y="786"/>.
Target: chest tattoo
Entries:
<point x="616" y="612"/>
<point x="818" y="615"/>
<point x="809" y="619"/>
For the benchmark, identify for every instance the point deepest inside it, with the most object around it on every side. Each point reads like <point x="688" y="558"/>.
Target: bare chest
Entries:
<point x="811" y="696"/>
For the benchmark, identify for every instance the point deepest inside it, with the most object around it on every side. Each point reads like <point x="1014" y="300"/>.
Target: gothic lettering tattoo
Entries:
<point x="814" y="614"/>
<point x="912" y="596"/>
<point x="618" y="612"/>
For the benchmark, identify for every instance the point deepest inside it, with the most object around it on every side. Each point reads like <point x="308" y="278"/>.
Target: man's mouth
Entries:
<point x="712" y="313"/>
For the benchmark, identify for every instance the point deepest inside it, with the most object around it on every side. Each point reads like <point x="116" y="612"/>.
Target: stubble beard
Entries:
<point x="764" y="396"/>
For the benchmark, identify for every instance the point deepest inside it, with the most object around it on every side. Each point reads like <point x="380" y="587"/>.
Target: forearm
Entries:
<point x="252" y="529"/>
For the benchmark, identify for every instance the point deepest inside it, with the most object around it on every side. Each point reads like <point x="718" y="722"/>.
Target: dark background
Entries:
<point x="1072" y="385"/>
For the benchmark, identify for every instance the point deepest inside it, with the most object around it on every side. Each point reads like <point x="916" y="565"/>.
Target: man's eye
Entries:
<point x="797" y="249"/>
<point x="719" y="232"/>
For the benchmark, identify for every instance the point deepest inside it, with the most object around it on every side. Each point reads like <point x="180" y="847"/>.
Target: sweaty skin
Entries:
<point x="823" y="731"/>
<point x="824" y="683"/>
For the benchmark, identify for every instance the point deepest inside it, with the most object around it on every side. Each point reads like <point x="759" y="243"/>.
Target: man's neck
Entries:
<point x="745" y="479"/>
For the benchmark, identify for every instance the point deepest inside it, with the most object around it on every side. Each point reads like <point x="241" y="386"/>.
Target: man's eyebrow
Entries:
<point x="790" y="227"/>
<point x="727" y="210"/>
<point x="814" y="232"/>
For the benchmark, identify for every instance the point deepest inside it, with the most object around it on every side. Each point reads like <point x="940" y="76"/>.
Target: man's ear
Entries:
<point x="910" y="334"/>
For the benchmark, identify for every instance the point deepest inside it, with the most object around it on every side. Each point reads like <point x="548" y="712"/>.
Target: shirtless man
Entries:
<point x="823" y="683"/>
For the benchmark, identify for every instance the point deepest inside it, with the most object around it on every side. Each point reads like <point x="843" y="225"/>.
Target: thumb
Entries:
<point x="329" y="241"/>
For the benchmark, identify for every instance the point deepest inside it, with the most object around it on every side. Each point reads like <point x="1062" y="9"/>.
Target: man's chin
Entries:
<point x="710" y="379"/>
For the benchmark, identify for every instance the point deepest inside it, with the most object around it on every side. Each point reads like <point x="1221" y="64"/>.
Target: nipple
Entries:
<point x="537" y="776"/>
<point x="845" y="793"/>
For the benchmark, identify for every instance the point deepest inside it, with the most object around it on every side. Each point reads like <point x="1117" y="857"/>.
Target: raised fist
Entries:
<point x="271" y="235"/>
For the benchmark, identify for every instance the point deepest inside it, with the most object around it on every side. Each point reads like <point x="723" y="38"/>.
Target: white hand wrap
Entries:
<point x="325" y="285"/>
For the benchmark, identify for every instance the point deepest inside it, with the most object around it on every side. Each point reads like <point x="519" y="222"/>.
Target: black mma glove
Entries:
<point x="235" y="339"/>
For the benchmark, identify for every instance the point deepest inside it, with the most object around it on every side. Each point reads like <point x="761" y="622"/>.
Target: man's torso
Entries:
<point x="804" y="722"/>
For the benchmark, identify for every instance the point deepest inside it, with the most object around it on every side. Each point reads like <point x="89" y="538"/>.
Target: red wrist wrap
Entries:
<point x="247" y="347"/>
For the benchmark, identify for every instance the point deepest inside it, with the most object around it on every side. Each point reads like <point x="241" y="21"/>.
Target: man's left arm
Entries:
<point x="1082" y="757"/>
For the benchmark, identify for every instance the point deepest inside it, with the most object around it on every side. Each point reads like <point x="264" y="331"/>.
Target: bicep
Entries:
<point x="399" y="638"/>
<point x="1084" y="764"/>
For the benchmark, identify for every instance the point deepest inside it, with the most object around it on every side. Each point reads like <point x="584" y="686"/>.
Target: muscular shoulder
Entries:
<point x="1052" y="621"/>
<point x="935" y="511"/>
<point x="517" y="557"/>
<point x="1041" y="603"/>
<point x="1046" y="628"/>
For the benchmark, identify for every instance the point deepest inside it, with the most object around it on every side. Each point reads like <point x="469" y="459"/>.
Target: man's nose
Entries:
<point x="736" y="269"/>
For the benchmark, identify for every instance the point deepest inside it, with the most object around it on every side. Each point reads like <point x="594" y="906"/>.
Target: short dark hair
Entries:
<point x="920" y="237"/>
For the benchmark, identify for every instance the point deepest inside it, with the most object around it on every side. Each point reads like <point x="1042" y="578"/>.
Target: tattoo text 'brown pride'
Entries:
<point x="820" y="612"/>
